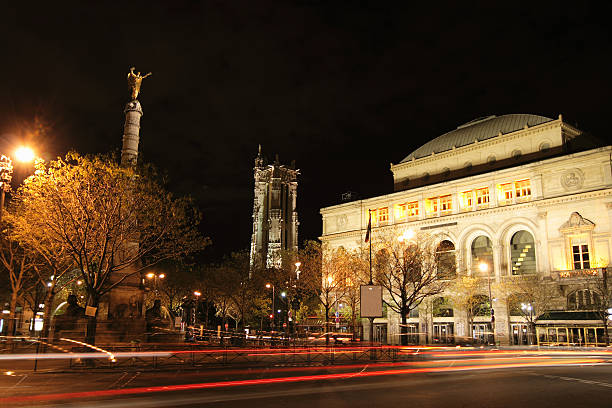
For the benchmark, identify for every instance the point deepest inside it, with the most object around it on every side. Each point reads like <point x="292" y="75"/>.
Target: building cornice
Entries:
<point x="474" y="179"/>
<point x="536" y="205"/>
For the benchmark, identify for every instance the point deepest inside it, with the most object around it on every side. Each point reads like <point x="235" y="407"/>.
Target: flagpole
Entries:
<point x="370" y="242"/>
<point x="371" y="319"/>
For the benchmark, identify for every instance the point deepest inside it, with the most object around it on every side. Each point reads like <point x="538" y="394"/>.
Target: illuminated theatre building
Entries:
<point x="517" y="192"/>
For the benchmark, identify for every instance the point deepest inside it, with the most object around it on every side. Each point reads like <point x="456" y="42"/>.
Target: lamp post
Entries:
<point x="484" y="267"/>
<point x="155" y="276"/>
<point x="526" y="307"/>
<point x="270" y="285"/>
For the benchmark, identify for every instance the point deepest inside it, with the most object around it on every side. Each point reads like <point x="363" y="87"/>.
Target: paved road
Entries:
<point x="442" y="380"/>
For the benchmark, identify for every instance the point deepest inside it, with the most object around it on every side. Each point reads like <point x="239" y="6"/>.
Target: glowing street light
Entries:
<point x="197" y="293"/>
<point x="406" y="236"/>
<point x="24" y="154"/>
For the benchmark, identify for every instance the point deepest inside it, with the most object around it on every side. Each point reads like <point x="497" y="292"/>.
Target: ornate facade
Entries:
<point x="275" y="218"/>
<point x="519" y="192"/>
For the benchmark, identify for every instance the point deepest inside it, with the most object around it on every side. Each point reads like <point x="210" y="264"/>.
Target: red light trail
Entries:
<point x="280" y="380"/>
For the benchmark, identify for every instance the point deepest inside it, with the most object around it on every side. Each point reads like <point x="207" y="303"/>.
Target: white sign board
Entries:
<point x="371" y="301"/>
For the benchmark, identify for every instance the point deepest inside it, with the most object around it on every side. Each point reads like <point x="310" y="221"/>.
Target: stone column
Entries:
<point x="497" y="262"/>
<point x="131" y="133"/>
<point x="123" y="306"/>
<point x="492" y="195"/>
<point x="537" y="187"/>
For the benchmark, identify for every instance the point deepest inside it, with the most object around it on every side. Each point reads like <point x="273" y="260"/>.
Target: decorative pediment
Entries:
<point x="576" y="223"/>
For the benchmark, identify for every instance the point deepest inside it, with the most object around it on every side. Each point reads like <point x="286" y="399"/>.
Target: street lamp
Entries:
<point x="155" y="276"/>
<point x="528" y="308"/>
<point x="484" y="267"/>
<point x="270" y="285"/>
<point x="24" y="154"/>
<point x="406" y="236"/>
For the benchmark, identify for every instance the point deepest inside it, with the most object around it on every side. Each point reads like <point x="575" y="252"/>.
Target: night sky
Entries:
<point x="343" y="88"/>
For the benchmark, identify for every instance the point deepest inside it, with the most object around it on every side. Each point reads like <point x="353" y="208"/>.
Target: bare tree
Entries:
<point x="18" y="262"/>
<point x="601" y="285"/>
<point x="467" y="296"/>
<point x="324" y="272"/>
<point x="529" y="296"/>
<point x="407" y="268"/>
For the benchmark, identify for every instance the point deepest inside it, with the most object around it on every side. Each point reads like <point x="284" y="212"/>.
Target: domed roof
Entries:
<point x="478" y="129"/>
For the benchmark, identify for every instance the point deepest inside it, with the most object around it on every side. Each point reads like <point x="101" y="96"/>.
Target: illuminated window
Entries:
<point x="383" y="214"/>
<point x="445" y="254"/>
<point x="482" y="252"/>
<point x="400" y="211"/>
<point x="433" y="205"/>
<point x="506" y="193"/>
<point x="482" y="197"/>
<point x="446" y="204"/>
<point x="413" y="209"/>
<point x="580" y="255"/>
<point x="522" y="252"/>
<point x="467" y="200"/>
<point x="523" y="189"/>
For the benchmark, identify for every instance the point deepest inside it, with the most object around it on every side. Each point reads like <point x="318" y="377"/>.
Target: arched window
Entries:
<point x="442" y="307"/>
<point x="522" y="253"/>
<point x="516" y="154"/>
<point x="482" y="252"/>
<point x="445" y="252"/>
<point x="583" y="299"/>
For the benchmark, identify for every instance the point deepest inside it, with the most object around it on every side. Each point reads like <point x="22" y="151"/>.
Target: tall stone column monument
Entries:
<point x="125" y="318"/>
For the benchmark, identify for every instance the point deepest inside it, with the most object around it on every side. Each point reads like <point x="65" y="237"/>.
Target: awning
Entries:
<point x="571" y="317"/>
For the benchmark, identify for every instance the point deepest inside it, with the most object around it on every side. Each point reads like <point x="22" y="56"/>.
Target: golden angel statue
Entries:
<point x="134" y="81"/>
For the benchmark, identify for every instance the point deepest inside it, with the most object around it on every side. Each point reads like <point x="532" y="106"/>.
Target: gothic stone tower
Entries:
<point x="275" y="219"/>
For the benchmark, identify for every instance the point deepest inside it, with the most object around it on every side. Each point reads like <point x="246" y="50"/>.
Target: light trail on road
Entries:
<point x="291" y="379"/>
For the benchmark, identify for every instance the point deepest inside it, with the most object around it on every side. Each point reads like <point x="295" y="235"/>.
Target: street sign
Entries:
<point x="90" y="311"/>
